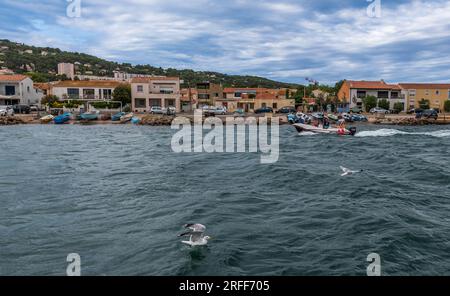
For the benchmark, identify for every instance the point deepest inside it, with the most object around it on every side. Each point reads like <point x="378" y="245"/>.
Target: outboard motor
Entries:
<point x="352" y="131"/>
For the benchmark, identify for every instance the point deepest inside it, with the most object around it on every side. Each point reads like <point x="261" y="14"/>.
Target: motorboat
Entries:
<point x="117" y="116"/>
<point x="135" y="120"/>
<point x="127" y="117"/>
<point x="47" y="119"/>
<point x="62" y="118"/>
<point x="93" y="115"/>
<point x="301" y="128"/>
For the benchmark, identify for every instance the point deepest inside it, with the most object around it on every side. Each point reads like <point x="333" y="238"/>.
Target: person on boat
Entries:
<point x="341" y="126"/>
<point x="326" y="121"/>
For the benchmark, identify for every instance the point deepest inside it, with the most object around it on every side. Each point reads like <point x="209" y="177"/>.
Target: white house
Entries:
<point x="18" y="89"/>
<point x="84" y="90"/>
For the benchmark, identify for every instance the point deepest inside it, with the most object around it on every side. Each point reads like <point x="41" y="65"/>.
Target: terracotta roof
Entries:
<point x="88" y="83"/>
<point x="43" y="86"/>
<point x="371" y="85"/>
<point x="13" y="78"/>
<point x="425" y="85"/>
<point x="234" y="89"/>
<point x="149" y="79"/>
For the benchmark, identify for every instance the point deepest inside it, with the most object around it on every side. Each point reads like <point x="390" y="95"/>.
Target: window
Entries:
<point x="449" y="94"/>
<point x="73" y="92"/>
<point x="412" y="92"/>
<point x="140" y="103"/>
<point x="89" y="94"/>
<point x="155" y="103"/>
<point x="438" y="92"/>
<point x="394" y="95"/>
<point x="275" y="106"/>
<point x="107" y="94"/>
<point x="140" y="88"/>
<point x="166" y="90"/>
<point x="28" y="89"/>
<point x="203" y="96"/>
<point x="360" y="94"/>
<point x="383" y="94"/>
<point x="427" y="92"/>
<point x="10" y="90"/>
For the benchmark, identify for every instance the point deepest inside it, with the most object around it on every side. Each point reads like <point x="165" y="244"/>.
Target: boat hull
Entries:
<point x="301" y="128"/>
<point x="89" y="116"/>
<point x="62" y="119"/>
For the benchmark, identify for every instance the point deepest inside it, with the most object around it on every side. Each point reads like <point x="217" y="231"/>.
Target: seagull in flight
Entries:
<point x="347" y="172"/>
<point x="196" y="233"/>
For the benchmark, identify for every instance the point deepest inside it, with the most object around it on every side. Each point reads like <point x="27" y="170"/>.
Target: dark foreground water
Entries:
<point x="118" y="196"/>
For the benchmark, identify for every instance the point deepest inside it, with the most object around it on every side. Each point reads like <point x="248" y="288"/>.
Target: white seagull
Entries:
<point x="348" y="172"/>
<point x="196" y="235"/>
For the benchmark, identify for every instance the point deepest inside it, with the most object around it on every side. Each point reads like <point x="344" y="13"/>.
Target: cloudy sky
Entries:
<point x="284" y="40"/>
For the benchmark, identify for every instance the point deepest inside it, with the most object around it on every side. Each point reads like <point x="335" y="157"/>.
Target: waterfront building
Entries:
<point x="353" y="92"/>
<point x="18" y="89"/>
<point x="189" y="99"/>
<point x="436" y="94"/>
<point x="84" y="89"/>
<point x="147" y="92"/>
<point x="67" y="69"/>
<point x="250" y="99"/>
<point x="208" y="94"/>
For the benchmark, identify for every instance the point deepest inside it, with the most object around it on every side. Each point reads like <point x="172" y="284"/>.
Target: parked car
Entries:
<point x="359" y="117"/>
<point x="357" y="110"/>
<point x="264" y="110"/>
<point x="347" y="117"/>
<point x="157" y="110"/>
<point x="239" y="112"/>
<point x="6" y="111"/>
<point x="34" y="108"/>
<point x="378" y="110"/>
<point x="22" y="109"/>
<point x="428" y="114"/>
<point x="287" y="110"/>
<point x="220" y="111"/>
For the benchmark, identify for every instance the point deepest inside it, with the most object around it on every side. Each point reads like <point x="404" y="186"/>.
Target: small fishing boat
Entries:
<point x="47" y="119"/>
<point x="62" y="118"/>
<point x="126" y="117"/>
<point x="300" y="127"/>
<point x="93" y="115"/>
<point x="333" y="117"/>
<point x="135" y="120"/>
<point x="116" y="117"/>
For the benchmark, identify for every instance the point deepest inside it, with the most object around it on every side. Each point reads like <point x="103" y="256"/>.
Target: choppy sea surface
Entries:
<point x="118" y="196"/>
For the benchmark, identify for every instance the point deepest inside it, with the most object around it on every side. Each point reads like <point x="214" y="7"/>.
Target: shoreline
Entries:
<point x="163" y="120"/>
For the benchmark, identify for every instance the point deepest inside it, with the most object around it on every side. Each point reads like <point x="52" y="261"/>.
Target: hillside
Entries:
<point x="43" y="62"/>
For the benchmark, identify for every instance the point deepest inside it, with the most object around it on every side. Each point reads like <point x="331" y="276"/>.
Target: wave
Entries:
<point x="307" y="134"/>
<point x="393" y="132"/>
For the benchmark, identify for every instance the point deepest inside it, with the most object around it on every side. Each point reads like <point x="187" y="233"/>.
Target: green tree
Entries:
<point x="49" y="100"/>
<point x="369" y="102"/>
<point x="383" y="103"/>
<point x="122" y="93"/>
<point x="399" y="107"/>
<point x="447" y="106"/>
<point x="424" y="104"/>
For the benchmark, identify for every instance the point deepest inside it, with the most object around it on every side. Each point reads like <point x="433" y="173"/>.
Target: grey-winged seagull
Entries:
<point x="196" y="235"/>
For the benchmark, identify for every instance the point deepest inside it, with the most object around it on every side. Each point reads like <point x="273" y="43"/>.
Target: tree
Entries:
<point x="383" y="103"/>
<point x="49" y="100"/>
<point x="399" y="107"/>
<point x="424" y="104"/>
<point x="122" y="93"/>
<point x="369" y="103"/>
<point x="447" y="106"/>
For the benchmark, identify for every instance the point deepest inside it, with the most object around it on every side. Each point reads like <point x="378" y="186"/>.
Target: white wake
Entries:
<point x="392" y="132"/>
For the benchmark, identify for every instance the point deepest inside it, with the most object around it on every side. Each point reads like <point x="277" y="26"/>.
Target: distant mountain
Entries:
<point x="43" y="61"/>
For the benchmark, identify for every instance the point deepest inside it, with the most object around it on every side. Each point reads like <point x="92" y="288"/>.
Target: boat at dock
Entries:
<point x="301" y="128"/>
<point x="47" y="119"/>
<point x="117" y="116"/>
<point x="135" y="120"/>
<point x="62" y="118"/>
<point x="126" y="117"/>
<point x="93" y="115"/>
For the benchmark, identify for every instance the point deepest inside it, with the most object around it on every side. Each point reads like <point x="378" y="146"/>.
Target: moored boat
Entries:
<point x="126" y="117"/>
<point x="300" y="127"/>
<point x="117" y="116"/>
<point x="62" y="118"/>
<point x="135" y="120"/>
<point x="47" y="119"/>
<point x="93" y="115"/>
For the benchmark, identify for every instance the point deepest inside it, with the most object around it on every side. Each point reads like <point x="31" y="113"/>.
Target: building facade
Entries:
<point x="67" y="69"/>
<point x="148" y="92"/>
<point x="250" y="99"/>
<point x="18" y="89"/>
<point x="208" y="93"/>
<point x="435" y="94"/>
<point x="353" y="92"/>
<point x="84" y="90"/>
